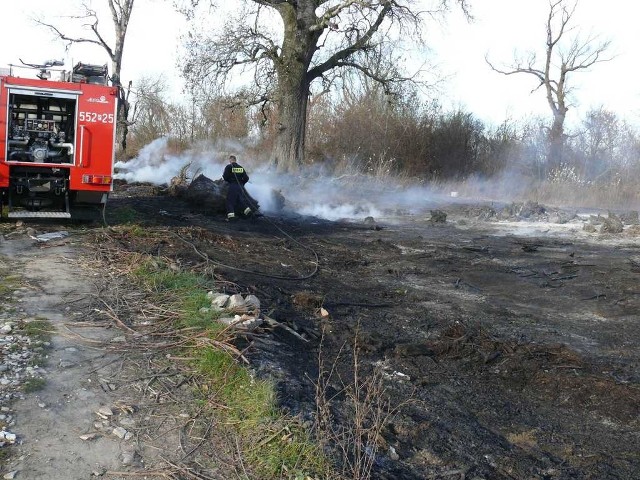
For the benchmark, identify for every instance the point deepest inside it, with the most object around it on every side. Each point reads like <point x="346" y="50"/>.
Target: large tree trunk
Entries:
<point x="298" y="47"/>
<point x="559" y="109"/>
<point x="556" y="142"/>
<point x="120" y="14"/>
<point x="288" y="153"/>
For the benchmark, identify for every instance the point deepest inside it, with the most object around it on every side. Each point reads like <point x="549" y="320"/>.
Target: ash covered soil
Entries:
<point x="509" y="346"/>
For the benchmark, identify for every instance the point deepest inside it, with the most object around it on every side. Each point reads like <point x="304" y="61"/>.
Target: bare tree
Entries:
<point x="553" y="72"/>
<point x="150" y="115"/>
<point x="315" y="40"/>
<point x="120" y="14"/>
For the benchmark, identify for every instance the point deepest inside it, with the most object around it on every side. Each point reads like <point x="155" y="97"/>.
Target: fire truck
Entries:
<point x="57" y="140"/>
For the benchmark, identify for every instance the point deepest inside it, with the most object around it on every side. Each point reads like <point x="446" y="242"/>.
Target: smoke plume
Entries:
<point x="313" y="191"/>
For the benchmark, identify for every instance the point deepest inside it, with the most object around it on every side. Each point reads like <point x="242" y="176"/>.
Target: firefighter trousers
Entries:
<point x="236" y="198"/>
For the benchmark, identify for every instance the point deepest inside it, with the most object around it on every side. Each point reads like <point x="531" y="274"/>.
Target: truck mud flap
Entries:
<point x="86" y="213"/>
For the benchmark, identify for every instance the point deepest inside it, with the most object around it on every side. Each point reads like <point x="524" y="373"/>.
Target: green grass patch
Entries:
<point x="33" y="384"/>
<point x="124" y="215"/>
<point x="250" y="401"/>
<point x="38" y="329"/>
<point x="8" y="283"/>
<point x="188" y="291"/>
<point x="275" y="446"/>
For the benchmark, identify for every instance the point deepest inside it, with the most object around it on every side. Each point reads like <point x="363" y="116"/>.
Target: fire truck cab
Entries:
<point x="57" y="141"/>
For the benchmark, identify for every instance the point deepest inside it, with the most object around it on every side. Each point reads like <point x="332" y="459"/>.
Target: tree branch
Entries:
<point x="360" y="44"/>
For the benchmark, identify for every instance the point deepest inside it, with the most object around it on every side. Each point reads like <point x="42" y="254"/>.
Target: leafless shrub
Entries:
<point x="351" y="413"/>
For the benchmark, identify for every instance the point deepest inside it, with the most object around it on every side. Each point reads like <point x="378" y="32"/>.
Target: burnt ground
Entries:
<point x="507" y="356"/>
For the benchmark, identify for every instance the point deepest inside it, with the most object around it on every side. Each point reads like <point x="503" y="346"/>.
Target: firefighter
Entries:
<point x="237" y="197"/>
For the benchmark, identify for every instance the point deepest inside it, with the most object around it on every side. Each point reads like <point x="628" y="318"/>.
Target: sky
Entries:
<point x="500" y="29"/>
<point x="503" y="28"/>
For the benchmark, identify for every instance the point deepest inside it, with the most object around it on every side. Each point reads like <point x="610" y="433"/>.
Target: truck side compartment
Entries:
<point x="57" y="143"/>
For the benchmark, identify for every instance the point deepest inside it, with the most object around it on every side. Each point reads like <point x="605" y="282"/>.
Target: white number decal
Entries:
<point x="94" y="117"/>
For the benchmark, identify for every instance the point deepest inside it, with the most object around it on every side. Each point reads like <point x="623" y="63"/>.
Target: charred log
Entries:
<point x="209" y="195"/>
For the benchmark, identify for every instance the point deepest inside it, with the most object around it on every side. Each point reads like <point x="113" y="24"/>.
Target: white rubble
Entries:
<point x="235" y="301"/>
<point x="244" y="312"/>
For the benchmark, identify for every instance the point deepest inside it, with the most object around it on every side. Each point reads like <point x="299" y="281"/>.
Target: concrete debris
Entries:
<point x="252" y="302"/>
<point x="393" y="455"/>
<point x="130" y="457"/>
<point x="106" y="411"/>
<point x="244" y="312"/>
<point x="19" y="358"/>
<point x="120" y="432"/>
<point x="235" y="301"/>
<point x="218" y="300"/>
<point x="561" y="217"/>
<point x="10" y="475"/>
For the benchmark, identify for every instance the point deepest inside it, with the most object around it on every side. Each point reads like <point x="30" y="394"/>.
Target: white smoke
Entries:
<point x="156" y="164"/>
<point x="311" y="192"/>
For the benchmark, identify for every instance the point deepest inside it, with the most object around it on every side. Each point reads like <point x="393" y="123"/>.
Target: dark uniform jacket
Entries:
<point x="235" y="174"/>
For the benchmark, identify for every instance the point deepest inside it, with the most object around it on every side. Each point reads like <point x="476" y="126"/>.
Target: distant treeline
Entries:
<point x="377" y="135"/>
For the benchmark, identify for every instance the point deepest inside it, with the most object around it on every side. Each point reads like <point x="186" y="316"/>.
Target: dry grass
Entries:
<point x="557" y="190"/>
<point x="178" y="356"/>
<point x="356" y="438"/>
<point x="526" y="440"/>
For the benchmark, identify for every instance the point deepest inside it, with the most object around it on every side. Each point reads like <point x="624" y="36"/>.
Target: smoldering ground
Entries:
<point x="349" y="194"/>
<point x="512" y="335"/>
<point x="314" y="191"/>
<point x="505" y="355"/>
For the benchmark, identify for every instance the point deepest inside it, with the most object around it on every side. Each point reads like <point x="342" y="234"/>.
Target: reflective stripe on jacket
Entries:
<point x="234" y="173"/>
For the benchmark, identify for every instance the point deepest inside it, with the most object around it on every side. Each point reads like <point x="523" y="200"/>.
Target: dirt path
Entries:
<point x="59" y="434"/>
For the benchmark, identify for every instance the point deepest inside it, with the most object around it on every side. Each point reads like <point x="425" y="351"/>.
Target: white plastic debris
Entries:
<point x="45" y="237"/>
<point x="242" y="322"/>
<point x="393" y="455"/>
<point x="7" y="437"/>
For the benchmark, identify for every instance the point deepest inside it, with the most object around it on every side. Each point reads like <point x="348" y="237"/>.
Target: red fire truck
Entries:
<point x="57" y="140"/>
